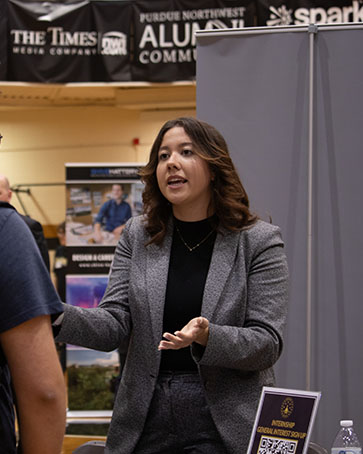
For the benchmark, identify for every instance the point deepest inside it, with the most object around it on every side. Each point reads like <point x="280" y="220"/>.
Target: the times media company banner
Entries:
<point x="304" y="12"/>
<point x="164" y="33"/>
<point x="3" y="40"/>
<point x="79" y="41"/>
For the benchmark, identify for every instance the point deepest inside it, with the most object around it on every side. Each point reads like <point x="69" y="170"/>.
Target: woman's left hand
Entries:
<point x="197" y="330"/>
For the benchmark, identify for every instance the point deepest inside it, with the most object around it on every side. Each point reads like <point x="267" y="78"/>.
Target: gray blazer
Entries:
<point x="245" y="300"/>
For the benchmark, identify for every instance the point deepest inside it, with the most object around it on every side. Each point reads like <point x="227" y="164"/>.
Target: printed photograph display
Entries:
<point x="91" y="374"/>
<point x="85" y="290"/>
<point x="97" y="212"/>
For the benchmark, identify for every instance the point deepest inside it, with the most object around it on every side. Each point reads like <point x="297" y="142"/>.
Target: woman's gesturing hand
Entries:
<point x="197" y="330"/>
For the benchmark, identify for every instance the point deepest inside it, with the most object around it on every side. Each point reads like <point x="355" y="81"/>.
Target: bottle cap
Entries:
<point x="346" y="423"/>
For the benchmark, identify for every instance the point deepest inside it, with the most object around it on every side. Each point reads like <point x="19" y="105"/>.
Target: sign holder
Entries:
<point x="284" y="421"/>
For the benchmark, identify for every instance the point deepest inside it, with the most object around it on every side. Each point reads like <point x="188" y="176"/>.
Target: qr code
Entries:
<point x="271" y="445"/>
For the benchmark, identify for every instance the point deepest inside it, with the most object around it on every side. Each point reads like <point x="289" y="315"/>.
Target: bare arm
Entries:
<point x="39" y="385"/>
<point x="97" y="231"/>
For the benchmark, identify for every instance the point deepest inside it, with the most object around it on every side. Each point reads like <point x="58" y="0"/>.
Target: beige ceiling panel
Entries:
<point x="139" y="96"/>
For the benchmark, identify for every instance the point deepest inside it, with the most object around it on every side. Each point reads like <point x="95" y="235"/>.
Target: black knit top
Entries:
<point x="186" y="279"/>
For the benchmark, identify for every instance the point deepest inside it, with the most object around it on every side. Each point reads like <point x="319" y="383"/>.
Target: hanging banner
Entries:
<point x="112" y="21"/>
<point x="3" y="41"/>
<point x="164" y="34"/>
<point x="135" y="40"/>
<point x="305" y="12"/>
<point x="81" y="41"/>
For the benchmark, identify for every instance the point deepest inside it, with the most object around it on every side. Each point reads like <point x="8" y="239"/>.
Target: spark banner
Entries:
<point x="305" y="12"/>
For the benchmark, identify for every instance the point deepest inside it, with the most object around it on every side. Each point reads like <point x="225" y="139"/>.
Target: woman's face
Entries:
<point x="183" y="177"/>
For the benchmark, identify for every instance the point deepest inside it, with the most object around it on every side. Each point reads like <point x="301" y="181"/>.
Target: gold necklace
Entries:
<point x="191" y="249"/>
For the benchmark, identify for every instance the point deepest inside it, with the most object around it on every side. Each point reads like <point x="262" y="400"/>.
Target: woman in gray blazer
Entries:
<point x="197" y="299"/>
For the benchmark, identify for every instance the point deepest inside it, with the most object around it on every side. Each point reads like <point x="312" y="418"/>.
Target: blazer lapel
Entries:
<point x="224" y="253"/>
<point x="157" y="268"/>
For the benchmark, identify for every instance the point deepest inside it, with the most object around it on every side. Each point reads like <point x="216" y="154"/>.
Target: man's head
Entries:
<point x="5" y="191"/>
<point x="116" y="192"/>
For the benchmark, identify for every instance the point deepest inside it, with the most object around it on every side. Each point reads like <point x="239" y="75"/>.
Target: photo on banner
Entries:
<point x="100" y="199"/>
<point x="105" y="205"/>
<point x="90" y="373"/>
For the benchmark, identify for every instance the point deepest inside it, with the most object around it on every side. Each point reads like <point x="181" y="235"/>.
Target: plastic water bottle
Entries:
<point x="346" y="441"/>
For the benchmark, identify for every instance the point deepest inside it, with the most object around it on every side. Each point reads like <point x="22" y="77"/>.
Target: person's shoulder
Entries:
<point x="136" y="224"/>
<point x="35" y="227"/>
<point x="32" y="223"/>
<point x="107" y="203"/>
<point x="6" y="210"/>
<point x="5" y="213"/>
<point x="134" y="232"/>
<point x="261" y="227"/>
<point x="262" y="233"/>
<point x="16" y="236"/>
<point x="10" y="219"/>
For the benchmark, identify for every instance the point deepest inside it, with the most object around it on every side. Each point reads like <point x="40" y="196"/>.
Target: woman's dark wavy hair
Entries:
<point x="229" y="198"/>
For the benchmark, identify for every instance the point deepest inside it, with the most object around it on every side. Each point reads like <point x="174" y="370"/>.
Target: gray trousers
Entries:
<point x="179" y="420"/>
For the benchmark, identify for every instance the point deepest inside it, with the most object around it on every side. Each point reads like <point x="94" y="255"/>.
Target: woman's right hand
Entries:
<point x="197" y="330"/>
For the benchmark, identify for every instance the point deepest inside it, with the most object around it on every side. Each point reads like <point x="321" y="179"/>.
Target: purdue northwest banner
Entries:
<point x="135" y="40"/>
<point x="165" y="47"/>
